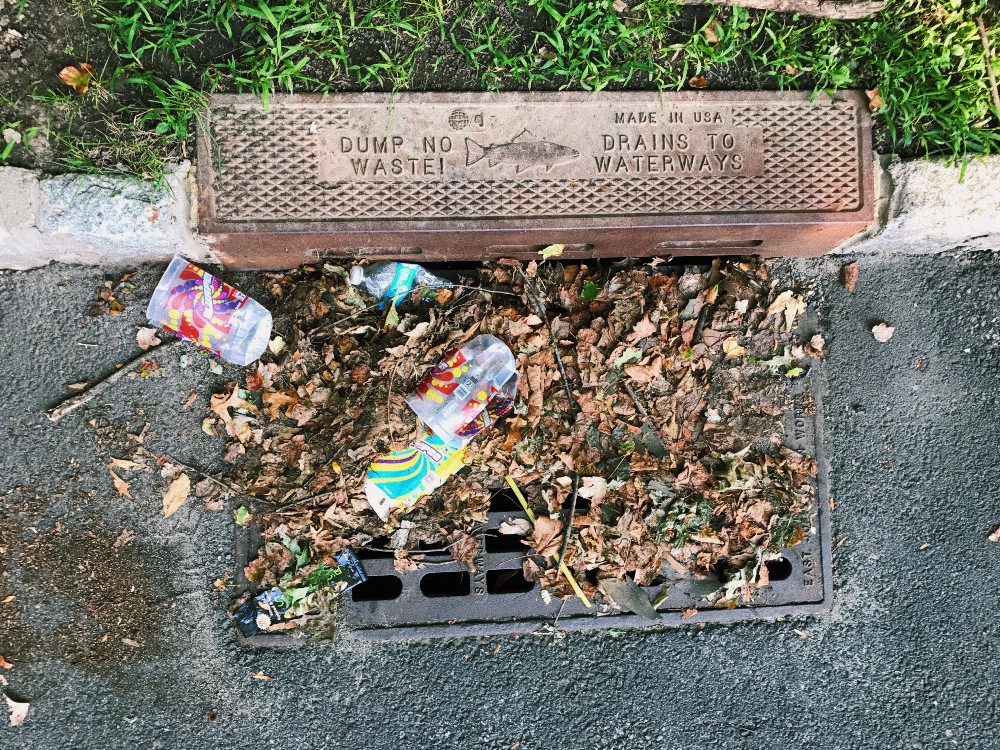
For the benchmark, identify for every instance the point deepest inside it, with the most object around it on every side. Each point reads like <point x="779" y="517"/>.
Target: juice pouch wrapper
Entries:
<point x="400" y="478"/>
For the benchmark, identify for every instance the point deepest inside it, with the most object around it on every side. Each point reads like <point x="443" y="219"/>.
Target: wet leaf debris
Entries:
<point x="652" y="397"/>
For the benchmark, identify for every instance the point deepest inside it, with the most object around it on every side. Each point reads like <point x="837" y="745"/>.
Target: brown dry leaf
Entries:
<point x="515" y="527"/>
<point x="261" y="676"/>
<point x="4" y="664"/>
<point x="120" y="484"/>
<point x="849" y="275"/>
<point x="176" y="494"/>
<point x="77" y="387"/>
<point x="874" y="99"/>
<point x="78" y="78"/>
<point x="147" y="338"/>
<point x="593" y="488"/>
<point x="275" y="400"/>
<point x="788" y="304"/>
<point x="255" y="379"/>
<point x="732" y="348"/>
<point x="688" y="613"/>
<point x="711" y="31"/>
<point x="462" y="546"/>
<point x="547" y="536"/>
<point x="882" y="332"/>
<point x="190" y="399"/>
<point x="642" y="329"/>
<point x="8" y="599"/>
<point x="698" y="82"/>
<point x="536" y="391"/>
<point x="221" y="404"/>
<point x="18" y="711"/>
<point x="815" y="346"/>
<point x="995" y="536"/>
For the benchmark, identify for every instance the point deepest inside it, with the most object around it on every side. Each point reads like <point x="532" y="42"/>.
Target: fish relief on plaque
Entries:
<point x="523" y="152"/>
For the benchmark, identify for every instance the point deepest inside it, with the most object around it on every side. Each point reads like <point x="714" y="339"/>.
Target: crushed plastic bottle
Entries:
<point x="467" y="392"/>
<point x="194" y="305"/>
<point x="459" y="388"/>
<point x="390" y="280"/>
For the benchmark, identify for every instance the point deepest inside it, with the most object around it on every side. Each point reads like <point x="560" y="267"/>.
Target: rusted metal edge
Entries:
<point x="273" y="244"/>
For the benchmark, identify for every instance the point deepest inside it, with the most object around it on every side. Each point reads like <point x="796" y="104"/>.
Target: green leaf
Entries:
<point x="552" y="251"/>
<point x="628" y="356"/>
<point x="590" y="291"/>
<point x="794" y="372"/>
<point x="242" y="516"/>
<point x="391" y="317"/>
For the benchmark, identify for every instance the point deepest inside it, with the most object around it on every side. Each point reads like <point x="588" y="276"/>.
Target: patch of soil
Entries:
<point x="89" y="598"/>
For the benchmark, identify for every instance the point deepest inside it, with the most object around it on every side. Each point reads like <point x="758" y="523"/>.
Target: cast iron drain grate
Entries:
<point x="445" y="598"/>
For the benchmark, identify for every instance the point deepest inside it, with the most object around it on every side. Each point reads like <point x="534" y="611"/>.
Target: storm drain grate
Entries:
<point x="445" y="598"/>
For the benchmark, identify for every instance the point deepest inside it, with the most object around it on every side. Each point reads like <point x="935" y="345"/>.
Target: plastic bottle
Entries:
<point x="390" y="280"/>
<point x="195" y="305"/>
<point x="467" y="392"/>
<point x="455" y="394"/>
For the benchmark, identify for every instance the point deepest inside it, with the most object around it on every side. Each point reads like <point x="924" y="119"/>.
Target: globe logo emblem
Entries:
<point x="458" y="119"/>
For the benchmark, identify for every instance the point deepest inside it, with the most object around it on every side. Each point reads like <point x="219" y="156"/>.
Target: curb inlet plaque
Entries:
<point x="447" y="598"/>
<point x="477" y="176"/>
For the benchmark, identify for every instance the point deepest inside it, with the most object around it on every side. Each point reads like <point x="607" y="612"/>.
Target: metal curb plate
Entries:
<point x="475" y="176"/>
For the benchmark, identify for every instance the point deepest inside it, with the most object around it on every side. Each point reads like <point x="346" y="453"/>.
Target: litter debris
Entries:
<point x="849" y="275"/>
<point x="995" y="536"/>
<point x="194" y="305"/>
<point x="625" y="398"/>
<point x="274" y="609"/>
<point x="18" y="711"/>
<point x="468" y="391"/>
<point x="882" y="332"/>
<point x="389" y="281"/>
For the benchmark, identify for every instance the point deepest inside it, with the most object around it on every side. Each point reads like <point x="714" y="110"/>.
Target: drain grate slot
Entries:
<point x="507" y="582"/>
<point x="378" y="589"/>
<point x="455" y="583"/>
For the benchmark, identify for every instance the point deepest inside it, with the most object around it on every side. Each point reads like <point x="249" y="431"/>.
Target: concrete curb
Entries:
<point x="924" y="209"/>
<point x="114" y="220"/>
<point x="96" y="219"/>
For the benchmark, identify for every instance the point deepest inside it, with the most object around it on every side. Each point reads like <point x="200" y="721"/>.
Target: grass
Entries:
<point x="924" y="57"/>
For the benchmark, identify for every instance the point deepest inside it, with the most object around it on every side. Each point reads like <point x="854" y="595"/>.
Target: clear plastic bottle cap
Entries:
<point x="357" y="275"/>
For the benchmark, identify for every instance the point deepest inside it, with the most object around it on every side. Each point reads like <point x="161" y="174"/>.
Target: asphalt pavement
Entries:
<point x="907" y="658"/>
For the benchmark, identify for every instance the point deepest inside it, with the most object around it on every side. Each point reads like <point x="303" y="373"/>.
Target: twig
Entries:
<point x="635" y="399"/>
<point x="569" y="521"/>
<point x="73" y="403"/>
<point x="539" y="307"/>
<point x="989" y="64"/>
<point x="562" y="566"/>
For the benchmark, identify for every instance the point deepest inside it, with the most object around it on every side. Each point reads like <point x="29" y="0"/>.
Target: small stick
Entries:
<point x="539" y="307"/>
<point x="989" y="64"/>
<point x="71" y="404"/>
<point x="562" y="566"/>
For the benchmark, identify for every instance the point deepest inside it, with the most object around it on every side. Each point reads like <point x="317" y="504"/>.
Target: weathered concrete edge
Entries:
<point x="109" y="220"/>
<point x="924" y="208"/>
<point x="97" y="219"/>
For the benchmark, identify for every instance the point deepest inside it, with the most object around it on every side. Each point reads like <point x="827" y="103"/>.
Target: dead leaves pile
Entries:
<point x="679" y="385"/>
